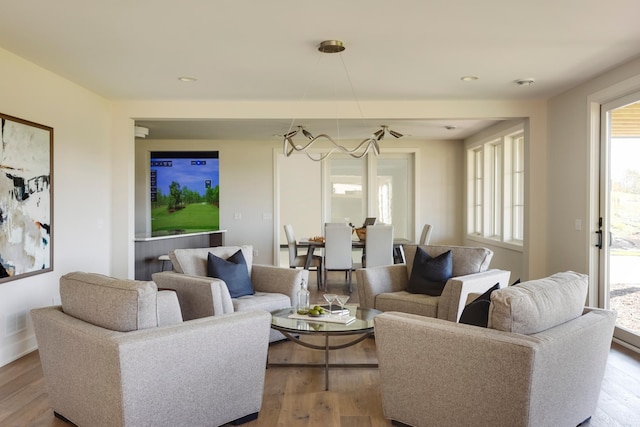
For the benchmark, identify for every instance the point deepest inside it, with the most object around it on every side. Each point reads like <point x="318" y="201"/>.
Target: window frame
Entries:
<point x="495" y="165"/>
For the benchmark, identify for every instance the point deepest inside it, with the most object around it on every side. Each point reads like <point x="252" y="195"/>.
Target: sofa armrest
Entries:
<point x="198" y="296"/>
<point x="377" y="280"/>
<point x="269" y="278"/>
<point x="456" y="290"/>
<point x="168" y="308"/>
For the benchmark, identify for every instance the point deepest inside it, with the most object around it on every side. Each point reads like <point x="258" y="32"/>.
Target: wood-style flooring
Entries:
<point x="296" y="396"/>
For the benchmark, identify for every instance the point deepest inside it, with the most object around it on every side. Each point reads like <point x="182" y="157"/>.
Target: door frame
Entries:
<point x="595" y="101"/>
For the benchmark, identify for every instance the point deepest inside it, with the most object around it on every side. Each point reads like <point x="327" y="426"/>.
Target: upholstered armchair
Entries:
<point x="203" y="296"/>
<point x="540" y="361"/>
<point x="117" y="353"/>
<point x="385" y="288"/>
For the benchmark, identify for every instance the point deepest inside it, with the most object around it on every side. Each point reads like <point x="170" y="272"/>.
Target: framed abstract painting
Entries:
<point x="26" y="198"/>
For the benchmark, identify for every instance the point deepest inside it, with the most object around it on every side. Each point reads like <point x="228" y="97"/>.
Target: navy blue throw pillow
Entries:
<point x="428" y="274"/>
<point x="233" y="271"/>
<point x="477" y="311"/>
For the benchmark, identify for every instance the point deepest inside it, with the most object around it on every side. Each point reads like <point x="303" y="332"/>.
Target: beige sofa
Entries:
<point x="202" y="296"/>
<point x="117" y="353"/>
<point x="540" y="362"/>
<point x="384" y="288"/>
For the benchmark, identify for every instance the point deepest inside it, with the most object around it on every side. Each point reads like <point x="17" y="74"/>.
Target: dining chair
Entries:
<point x="337" y="251"/>
<point x="378" y="246"/>
<point x="426" y="234"/>
<point x="296" y="260"/>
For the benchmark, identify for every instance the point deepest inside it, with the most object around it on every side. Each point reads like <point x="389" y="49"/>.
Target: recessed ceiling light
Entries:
<point x="187" y="79"/>
<point x="469" y="78"/>
<point x="525" y="82"/>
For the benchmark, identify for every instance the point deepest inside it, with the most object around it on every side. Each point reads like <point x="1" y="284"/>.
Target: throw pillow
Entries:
<point x="428" y="274"/>
<point x="233" y="271"/>
<point x="477" y="311"/>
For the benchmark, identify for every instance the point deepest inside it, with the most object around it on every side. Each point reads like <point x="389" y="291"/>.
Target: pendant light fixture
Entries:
<point x="367" y="145"/>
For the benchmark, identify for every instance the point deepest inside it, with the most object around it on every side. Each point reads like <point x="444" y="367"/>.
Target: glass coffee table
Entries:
<point x="361" y="328"/>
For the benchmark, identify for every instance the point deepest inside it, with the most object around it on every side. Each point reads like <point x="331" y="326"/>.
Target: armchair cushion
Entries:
<point x="465" y="259"/>
<point x="233" y="271"/>
<point x="537" y="305"/>
<point x="477" y="311"/>
<point x="118" y="305"/>
<point x="193" y="261"/>
<point x="430" y="274"/>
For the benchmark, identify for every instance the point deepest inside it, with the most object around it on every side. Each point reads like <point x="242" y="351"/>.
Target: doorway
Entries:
<point x="619" y="234"/>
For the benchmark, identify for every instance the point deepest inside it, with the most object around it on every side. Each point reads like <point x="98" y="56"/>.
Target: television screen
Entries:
<point x="185" y="192"/>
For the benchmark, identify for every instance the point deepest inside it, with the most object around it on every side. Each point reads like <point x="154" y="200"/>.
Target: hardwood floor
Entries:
<point x="296" y="396"/>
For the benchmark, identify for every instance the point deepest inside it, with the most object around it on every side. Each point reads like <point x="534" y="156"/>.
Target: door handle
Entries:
<point x="599" y="244"/>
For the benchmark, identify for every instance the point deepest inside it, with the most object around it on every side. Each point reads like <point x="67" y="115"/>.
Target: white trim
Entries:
<point x="494" y="242"/>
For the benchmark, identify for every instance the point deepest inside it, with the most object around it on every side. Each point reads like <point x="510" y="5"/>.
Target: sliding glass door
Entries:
<point x="619" y="235"/>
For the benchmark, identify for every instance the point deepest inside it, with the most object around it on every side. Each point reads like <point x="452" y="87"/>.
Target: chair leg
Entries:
<point x="324" y="283"/>
<point x="245" y="419"/>
<point x="585" y="421"/>
<point x="60" y="417"/>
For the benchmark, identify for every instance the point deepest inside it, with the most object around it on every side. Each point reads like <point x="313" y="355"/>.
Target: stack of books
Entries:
<point x="335" y="310"/>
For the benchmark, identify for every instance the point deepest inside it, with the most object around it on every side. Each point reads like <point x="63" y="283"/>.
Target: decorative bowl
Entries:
<point x="315" y="315"/>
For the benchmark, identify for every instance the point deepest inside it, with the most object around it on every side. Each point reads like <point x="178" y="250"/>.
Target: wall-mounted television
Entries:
<point x="185" y="192"/>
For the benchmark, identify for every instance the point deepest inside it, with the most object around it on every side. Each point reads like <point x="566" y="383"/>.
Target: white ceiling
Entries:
<point x="267" y="50"/>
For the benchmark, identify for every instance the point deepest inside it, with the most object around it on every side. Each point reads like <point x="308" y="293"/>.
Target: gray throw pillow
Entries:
<point x="233" y="271"/>
<point x="429" y="275"/>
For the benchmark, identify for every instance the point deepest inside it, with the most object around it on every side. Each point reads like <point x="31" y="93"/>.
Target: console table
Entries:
<point x="149" y="248"/>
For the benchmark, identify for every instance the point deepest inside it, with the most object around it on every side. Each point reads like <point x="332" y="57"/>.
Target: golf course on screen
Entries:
<point x="192" y="218"/>
<point x="185" y="192"/>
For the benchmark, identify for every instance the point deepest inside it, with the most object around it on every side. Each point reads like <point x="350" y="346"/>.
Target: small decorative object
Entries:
<point x="329" y="298"/>
<point x="361" y="233"/>
<point x="342" y="300"/>
<point x="303" y="298"/>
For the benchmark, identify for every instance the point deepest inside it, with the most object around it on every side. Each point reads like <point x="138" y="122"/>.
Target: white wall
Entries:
<point x="246" y="187"/>
<point x="81" y="186"/>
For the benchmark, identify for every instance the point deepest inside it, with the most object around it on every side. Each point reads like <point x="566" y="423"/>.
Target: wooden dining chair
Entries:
<point x="337" y="251"/>
<point x="378" y="246"/>
<point x="296" y="260"/>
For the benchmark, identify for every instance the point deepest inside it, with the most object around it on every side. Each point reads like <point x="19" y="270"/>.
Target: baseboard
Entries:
<point x="626" y="345"/>
<point x="12" y="351"/>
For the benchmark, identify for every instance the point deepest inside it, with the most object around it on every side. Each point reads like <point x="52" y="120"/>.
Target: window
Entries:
<point x="475" y="192"/>
<point x="374" y="186"/>
<point x="495" y="188"/>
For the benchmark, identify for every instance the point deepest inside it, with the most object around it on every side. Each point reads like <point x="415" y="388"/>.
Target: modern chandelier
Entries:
<point x="369" y="144"/>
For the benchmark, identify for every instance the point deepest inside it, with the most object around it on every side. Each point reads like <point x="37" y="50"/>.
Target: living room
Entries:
<point x="95" y="151"/>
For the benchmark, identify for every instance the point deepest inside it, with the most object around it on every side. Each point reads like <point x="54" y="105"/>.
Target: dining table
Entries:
<point x="311" y="245"/>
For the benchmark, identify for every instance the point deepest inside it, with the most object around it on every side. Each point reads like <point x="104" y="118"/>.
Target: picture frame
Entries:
<point x="26" y="198"/>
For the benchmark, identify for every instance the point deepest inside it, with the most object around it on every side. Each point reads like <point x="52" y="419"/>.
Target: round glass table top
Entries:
<point x="363" y="322"/>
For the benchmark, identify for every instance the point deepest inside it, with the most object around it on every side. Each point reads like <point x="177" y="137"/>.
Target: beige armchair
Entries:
<point x="540" y="362"/>
<point x="384" y="288"/>
<point x="117" y="353"/>
<point x="203" y="296"/>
